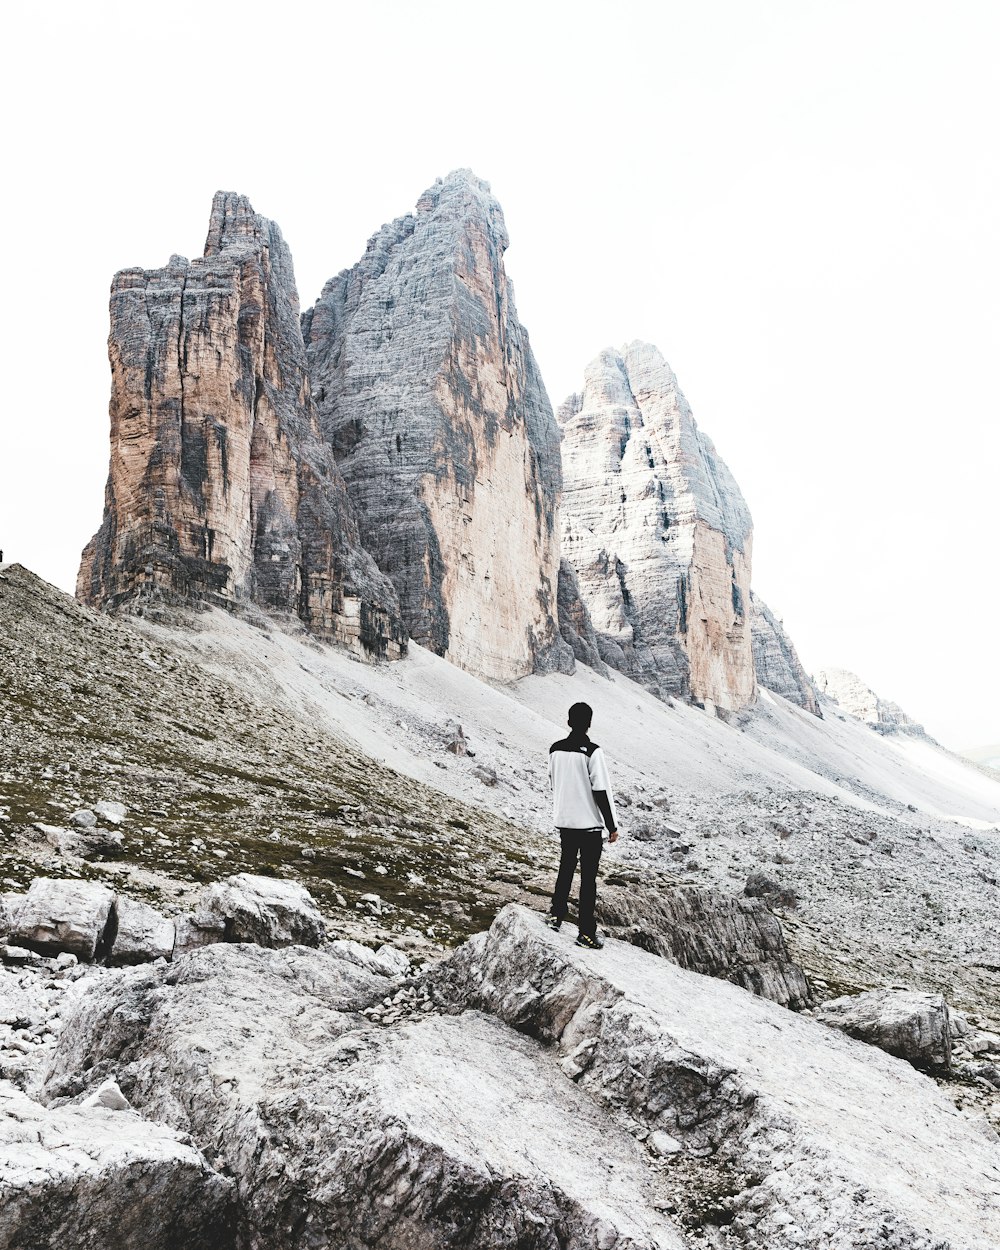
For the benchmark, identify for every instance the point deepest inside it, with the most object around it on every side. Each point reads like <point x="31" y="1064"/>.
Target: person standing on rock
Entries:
<point x="582" y="807"/>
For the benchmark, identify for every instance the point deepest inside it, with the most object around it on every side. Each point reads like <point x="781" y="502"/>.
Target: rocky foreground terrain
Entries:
<point x="329" y="873"/>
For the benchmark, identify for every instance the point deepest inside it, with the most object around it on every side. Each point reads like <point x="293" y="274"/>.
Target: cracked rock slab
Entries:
<point x="824" y="1141"/>
<point x="90" y="1176"/>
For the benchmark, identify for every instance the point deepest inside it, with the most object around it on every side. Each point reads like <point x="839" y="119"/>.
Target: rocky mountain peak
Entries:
<point x="464" y="196"/>
<point x="221" y="489"/>
<point x="233" y="221"/>
<point x="429" y="394"/>
<point x="854" y="696"/>
<point x="657" y="531"/>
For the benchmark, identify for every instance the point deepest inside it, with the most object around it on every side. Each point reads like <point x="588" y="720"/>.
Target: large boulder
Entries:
<point x="261" y="1055"/>
<point x="142" y="934"/>
<point x="90" y="1176"/>
<point x="263" y="910"/>
<point x="61" y="915"/>
<point x="820" y="1140"/>
<point x="913" y="1026"/>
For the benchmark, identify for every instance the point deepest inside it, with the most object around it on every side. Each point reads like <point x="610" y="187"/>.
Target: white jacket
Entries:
<point x="576" y="769"/>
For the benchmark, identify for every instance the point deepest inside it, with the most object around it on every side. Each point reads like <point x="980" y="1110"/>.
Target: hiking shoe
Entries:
<point x="554" y="922"/>
<point x="590" y="943"/>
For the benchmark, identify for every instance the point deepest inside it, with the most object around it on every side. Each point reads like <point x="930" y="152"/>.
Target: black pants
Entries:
<point x="586" y="844"/>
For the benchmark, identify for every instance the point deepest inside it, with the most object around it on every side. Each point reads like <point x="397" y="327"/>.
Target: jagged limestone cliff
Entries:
<point x="776" y="662"/>
<point x="221" y="488"/>
<point x="657" y="532"/>
<point x="429" y="393"/>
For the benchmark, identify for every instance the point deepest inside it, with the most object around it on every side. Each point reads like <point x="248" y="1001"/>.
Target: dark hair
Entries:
<point x="580" y="716"/>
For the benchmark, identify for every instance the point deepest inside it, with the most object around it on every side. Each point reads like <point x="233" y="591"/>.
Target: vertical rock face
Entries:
<point x="221" y="488"/>
<point x="776" y="661"/>
<point x="848" y="691"/>
<point x="658" y="533"/>
<point x="429" y="393"/>
<point x="575" y="624"/>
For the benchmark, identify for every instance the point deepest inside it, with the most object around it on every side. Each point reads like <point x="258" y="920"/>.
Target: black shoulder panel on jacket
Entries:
<point x="575" y="746"/>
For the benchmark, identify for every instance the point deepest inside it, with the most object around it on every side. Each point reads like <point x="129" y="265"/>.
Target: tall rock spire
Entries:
<point x="657" y="532"/>
<point x="221" y="488"/>
<point x="429" y="393"/>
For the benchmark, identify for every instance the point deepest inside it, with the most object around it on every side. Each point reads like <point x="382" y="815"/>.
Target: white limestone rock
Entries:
<point x="91" y="1176"/>
<point x="851" y="694"/>
<point x="430" y="395"/>
<point x="110" y="812"/>
<point x="384" y="962"/>
<point x="657" y="532"/>
<point x="193" y="930"/>
<point x="108" y="1095"/>
<point x="913" y="1026"/>
<point x="263" y="910"/>
<point x="92" y="844"/>
<point x="9" y="906"/>
<point x="261" y="1055"/>
<point x="142" y="934"/>
<point x="822" y="1139"/>
<point x="61" y="915"/>
<point x="776" y="662"/>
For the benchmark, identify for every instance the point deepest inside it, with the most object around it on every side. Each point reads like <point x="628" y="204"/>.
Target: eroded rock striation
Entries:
<point x="710" y="932"/>
<point x="657" y="532"/>
<point x="221" y="488"/>
<point x="429" y="393"/>
<point x="776" y="662"/>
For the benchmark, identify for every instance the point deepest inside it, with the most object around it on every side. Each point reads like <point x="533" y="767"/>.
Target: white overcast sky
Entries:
<point x="796" y="201"/>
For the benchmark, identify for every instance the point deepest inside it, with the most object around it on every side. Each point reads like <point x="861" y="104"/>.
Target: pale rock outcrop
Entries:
<point x="221" y="488"/>
<point x="821" y="1139"/>
<point x="261" y="1054"/>
<point x="851" y="694"/>
<point x="141" y="933"/>
<point x="776" y="662"/>
<point x="708" y="931"/>
<point x="263" y="910"/>
<point x="657" y="532"/>
<point x="61" y="915"/>
<point x="429" y="393"/>
<point x="913" y="1026"/>
<point x="93" y="1176"/>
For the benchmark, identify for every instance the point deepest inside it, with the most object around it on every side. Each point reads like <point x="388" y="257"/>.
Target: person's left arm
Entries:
<point x="600" y="784"/>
